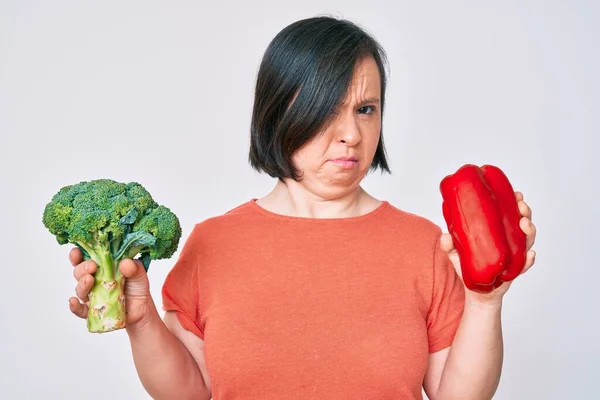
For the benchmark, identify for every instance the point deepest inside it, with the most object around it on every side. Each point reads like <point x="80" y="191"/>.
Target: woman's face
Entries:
<point x="334" y="163"/>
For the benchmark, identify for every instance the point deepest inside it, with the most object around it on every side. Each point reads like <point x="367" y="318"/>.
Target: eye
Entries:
<point x="366" y="110"/>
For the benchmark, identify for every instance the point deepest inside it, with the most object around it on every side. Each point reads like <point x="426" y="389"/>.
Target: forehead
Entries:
<point x="366" y="80"/>
<point x="366" y="67"/>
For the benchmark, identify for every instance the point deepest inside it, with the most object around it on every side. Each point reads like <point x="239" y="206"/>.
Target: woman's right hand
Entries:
<point x="138" y="301"/>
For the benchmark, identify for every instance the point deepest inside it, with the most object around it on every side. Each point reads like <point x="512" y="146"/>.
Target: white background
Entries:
<point x="161" y="93"/>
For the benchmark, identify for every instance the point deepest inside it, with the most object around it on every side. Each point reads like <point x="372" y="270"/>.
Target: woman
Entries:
<point x="317" y="290"/>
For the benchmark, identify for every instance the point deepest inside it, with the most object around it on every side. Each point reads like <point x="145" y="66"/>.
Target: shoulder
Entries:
<point x="242" y="216"/>
<point x="407" y="222"/>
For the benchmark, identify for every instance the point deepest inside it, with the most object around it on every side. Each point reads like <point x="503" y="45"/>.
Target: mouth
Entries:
<point x="345" y="162"/>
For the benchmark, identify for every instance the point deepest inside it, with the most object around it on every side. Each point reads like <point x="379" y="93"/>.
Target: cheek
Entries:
<point x="304" y="161"/>
<point x="372" y="139"/>
<point x="310" y="157"/>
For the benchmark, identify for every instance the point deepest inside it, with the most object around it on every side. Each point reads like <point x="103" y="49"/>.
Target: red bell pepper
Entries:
<point x="482" y="215"/>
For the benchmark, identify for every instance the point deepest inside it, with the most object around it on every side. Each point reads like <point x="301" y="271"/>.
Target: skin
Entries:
<point x="328" y="190"/>
<point x="469" y="369"/>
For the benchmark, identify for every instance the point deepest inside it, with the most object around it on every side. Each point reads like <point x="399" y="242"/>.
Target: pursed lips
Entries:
<point x="345" y="162"/>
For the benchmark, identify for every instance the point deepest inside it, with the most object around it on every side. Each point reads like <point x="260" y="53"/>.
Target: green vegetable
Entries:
<point x="110" y="221"/>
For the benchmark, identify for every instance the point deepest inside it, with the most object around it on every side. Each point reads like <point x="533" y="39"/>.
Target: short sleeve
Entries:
<point x="180" y="289"/>
<point x="447" y="302"/>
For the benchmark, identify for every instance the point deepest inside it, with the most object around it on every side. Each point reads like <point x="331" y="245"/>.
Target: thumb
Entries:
<point x="446" y="243"/>
<point x="133" y="270"/>
<point x="136" y="280"/>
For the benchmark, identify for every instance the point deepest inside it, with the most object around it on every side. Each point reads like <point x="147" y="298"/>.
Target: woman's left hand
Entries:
<point x="528" y="228"/>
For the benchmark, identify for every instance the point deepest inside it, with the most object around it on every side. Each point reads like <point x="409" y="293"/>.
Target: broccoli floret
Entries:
<point x="110" y="221"/>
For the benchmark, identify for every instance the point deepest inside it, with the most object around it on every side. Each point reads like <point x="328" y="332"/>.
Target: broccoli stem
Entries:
<point x="107" y="297"/>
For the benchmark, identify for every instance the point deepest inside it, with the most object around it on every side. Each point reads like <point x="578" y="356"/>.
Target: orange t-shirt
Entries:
<point x="301" y="308"/>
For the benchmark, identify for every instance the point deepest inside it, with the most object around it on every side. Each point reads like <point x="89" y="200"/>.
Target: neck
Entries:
<point x="292" y="199"/>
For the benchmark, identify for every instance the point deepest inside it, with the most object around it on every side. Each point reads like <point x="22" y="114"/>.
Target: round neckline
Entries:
<point x="380" y="208"/>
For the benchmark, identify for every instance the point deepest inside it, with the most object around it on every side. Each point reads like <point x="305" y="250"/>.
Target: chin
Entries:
<point x="338" y="186"/>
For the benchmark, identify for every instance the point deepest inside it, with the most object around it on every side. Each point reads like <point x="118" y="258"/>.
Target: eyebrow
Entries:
<point x="364" y="102"/>
<point x="369" y="100"/>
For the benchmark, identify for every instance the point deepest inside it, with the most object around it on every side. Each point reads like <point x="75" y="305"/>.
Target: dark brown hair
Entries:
<point x="311" y="62"/>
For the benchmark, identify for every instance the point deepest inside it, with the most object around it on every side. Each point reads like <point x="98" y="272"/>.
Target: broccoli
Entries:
<point x="110" y="221"/>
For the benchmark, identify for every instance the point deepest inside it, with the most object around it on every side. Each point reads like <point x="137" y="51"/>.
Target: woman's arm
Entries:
<point x="470" y="369"/>
<point x="168" y="359"/>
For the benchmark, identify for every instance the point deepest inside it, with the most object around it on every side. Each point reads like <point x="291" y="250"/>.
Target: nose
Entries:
<point x="347" y="129"/>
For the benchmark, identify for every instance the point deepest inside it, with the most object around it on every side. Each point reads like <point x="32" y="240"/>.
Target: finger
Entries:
<point x="446" y="243"/>
<point x="132" y="269"/>
<point x="77" y="308"/>
<point x="529" y="261"/>
<point x="532" y="236"/>
<point x="136" y="284"/>
<point x="524" y="209"/>
<point x="519" y="196"/>
<point x="83" y="287"/>
<point x="529" y="229"/>
<point x="75" y="256"/>
<point x="86" y="267"/>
